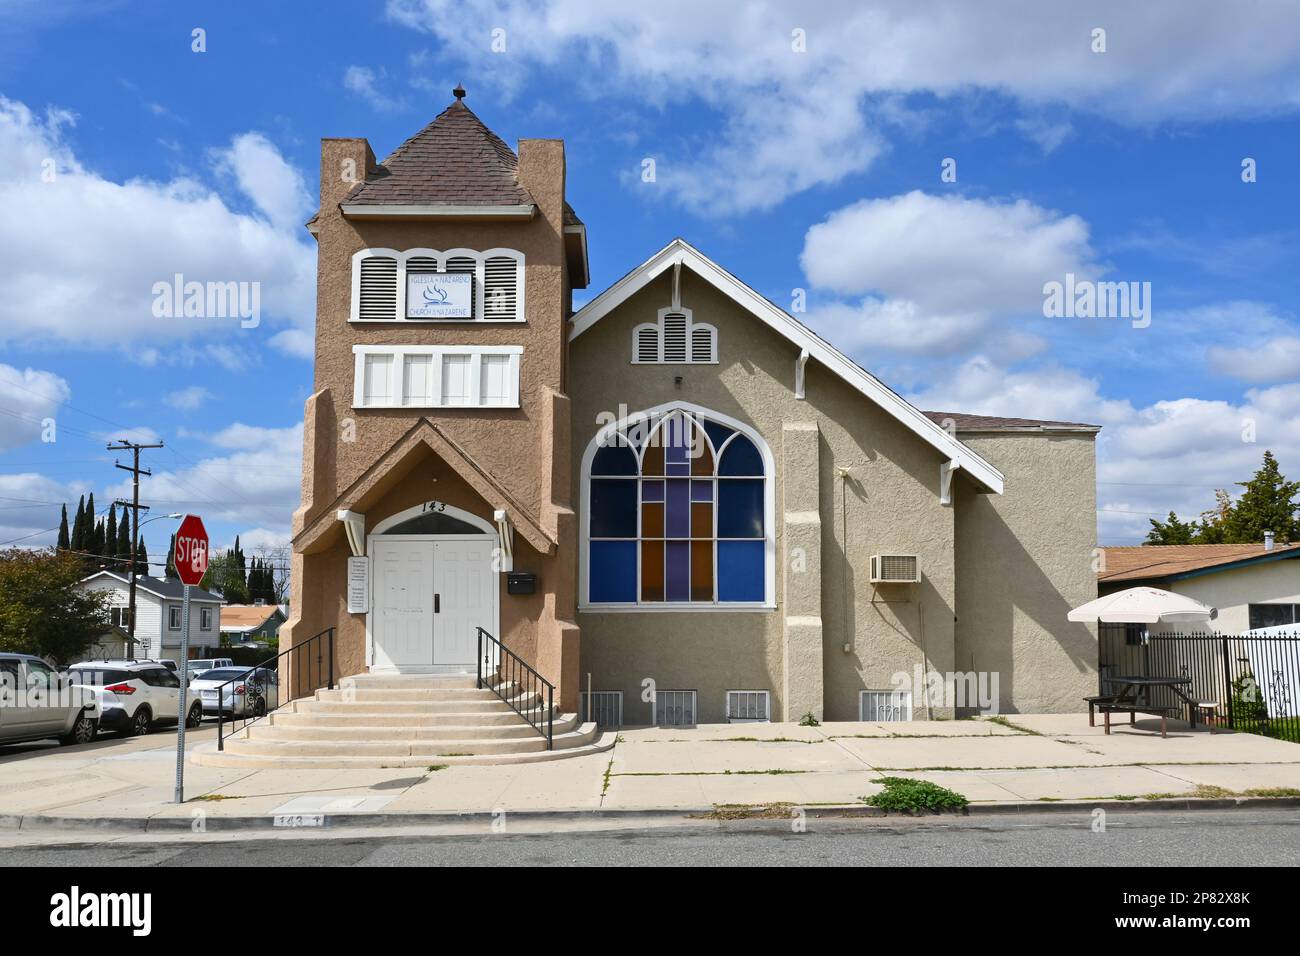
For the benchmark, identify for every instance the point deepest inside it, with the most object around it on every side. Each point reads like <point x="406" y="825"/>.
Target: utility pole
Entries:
<point x="136" y="471"/>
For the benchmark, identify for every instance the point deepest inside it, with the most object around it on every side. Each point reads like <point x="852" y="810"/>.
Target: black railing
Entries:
<point x="1254" y="681"/>
<point x="524" y="685"/>
<point x="311" y="667"/>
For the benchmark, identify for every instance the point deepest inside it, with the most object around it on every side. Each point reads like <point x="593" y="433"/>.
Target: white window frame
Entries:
<point x="905" y="703"/>
<point x="767" y="708"/>
<point x="695" y="707"/>
<point x="658" y="328"/>
<point x="437" y="352"/>
<point x="205" y="619"/>
<point x="669" y="607"/>
<point x="440" y="257"/>
<point x="173" y="614"/>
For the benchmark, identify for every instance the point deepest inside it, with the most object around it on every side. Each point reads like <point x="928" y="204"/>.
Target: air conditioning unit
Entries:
<point x="895" y="569"/>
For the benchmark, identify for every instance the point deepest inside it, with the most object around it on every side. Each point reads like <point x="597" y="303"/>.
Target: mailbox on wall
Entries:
<point x="521" y="582"/>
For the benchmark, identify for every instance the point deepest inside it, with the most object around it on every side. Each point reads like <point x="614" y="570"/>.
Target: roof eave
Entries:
<point x="578" y="256"/>
<point x="425" y="212"/>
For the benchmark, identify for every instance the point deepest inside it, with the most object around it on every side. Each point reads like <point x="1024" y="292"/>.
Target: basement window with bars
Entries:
<point x="884" y="706"/>
<point x="605" y="707"/>
<point x="749" y="706"/>
<point x="390" y="285"/>
<point x="675" y="339"/>
<point x="436" y="376"/>
<point x="675" y="708"/>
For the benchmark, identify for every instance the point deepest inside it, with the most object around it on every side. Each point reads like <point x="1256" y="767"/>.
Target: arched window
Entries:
<point x="678" y="511"/>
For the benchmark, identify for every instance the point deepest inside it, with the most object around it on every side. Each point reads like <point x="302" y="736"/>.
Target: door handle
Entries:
<point x="437" y="603"/>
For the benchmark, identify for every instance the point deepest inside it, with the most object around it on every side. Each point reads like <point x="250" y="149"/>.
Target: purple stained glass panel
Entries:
<point x="678" y="520"/>
<point x="652" y="491"/>
<point x="678" y="568"/>
<point x="701" y="491"/>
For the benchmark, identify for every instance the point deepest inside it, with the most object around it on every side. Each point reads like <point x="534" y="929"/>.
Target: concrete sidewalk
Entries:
<point x="1027" y="758"/>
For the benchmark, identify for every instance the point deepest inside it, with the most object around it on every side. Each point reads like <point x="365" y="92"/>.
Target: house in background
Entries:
<point x="158" y="612"/>
<point x="1252" y="585"/>
<point x="251" y="623"/>
<point x="678" y="484"/>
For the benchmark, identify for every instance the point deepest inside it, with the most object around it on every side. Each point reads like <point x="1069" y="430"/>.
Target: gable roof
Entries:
<point x="679" y="251"/>
<point x="246" y="617"/>
<point x="455" y="160"/>
<point x="170" y="589"/>
<point x="1172" y="561"/>
<point x="994" y="423"/>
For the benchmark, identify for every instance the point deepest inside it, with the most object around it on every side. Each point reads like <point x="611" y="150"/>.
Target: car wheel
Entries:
<point x="141" y="723"/>
<point x="83" y="731"/>
<point x="195" y="717"/>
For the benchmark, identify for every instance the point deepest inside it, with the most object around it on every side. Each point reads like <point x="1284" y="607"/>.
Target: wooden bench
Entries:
<point x="1108" y="704"/>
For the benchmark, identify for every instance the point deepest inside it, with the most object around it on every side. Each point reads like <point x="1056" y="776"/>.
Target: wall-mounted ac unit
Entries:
<point x="895" y="569"/>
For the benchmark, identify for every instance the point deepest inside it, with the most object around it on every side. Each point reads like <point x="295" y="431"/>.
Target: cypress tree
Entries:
<point x="124" y="539"/>
<point x="64" y="540"/>
<point x="88" y="536"/>
<point x="141" y="558"/>
<point x="170" y="570"/>
<point x="110" y="535"/>
<point x="79" y="526"/>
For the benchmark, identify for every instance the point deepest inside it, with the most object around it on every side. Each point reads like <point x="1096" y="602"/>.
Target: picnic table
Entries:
<point x="1131" y="688"/>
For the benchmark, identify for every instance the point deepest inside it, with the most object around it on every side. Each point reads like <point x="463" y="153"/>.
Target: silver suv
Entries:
<point x="37" y="704"/>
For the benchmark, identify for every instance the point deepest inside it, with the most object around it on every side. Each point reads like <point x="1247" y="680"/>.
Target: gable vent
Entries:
<point x="500" y="288"/>
<point x="645" y="346"/>
<point x="704" y="342"/>
<point x="378" y="288"/>
<point x="674" y="325"/>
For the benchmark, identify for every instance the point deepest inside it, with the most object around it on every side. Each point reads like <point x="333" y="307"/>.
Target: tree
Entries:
<point x="124" y="540"/>
<point x="1214" y="523"/>
<point x="1267" y="504"/>
<point x="276" y="562"/>
<point x="79" y="526"/>
<point x="42" y="611"/>
<point x="110" y="536"/>
<point x="170" y="570"/>
<point x="64" y="539"/>
<point x="141" y="558"/>
<point x="93" y="539"/>
<point x="1171" y="531"/>
<point x="223" y="575"/>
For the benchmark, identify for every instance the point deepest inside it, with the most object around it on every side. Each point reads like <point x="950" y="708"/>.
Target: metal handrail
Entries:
<point x="325" y="639"/>
<point x="511" y="670"/>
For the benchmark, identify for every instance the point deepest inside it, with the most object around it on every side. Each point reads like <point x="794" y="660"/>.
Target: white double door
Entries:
<point x="429" y="597"/>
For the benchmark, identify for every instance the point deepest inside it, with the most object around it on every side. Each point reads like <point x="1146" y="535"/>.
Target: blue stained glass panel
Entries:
<point x="614" y="460"/>
<point x="741" y="458"/>
<point x="612" y="575"/>
<point x="718" y="433"/>
<point x="613" y="508"/>
<point x="740" y="508"/>
<point x="740" y="571"/>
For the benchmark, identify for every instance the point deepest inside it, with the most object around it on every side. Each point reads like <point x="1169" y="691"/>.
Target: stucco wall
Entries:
<point x="889" y="503"/>
<point x="1024" y="559"/>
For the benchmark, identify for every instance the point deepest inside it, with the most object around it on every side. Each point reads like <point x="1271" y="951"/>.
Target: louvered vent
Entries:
<point x="466" y="264"/>
<point x="645" y="344"/>
<point x="500" y="288"/>
<point x="704" y="340"/>
<point x="674" y="338"/>
<point x="378" y="289"/>
<point x="895" y="569"/>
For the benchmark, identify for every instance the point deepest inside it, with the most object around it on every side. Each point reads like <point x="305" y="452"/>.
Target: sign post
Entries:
<point x="191" y="561"/>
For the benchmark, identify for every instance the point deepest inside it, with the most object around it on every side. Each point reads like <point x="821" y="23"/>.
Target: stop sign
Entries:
<point x="191" y="554"/>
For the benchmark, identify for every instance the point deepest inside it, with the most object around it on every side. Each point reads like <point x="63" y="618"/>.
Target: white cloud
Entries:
<point x="28" y="397"/>
<point x="29" y="509"/>
<point x="187" y="399"/>
<point x="1273" y="360"/>
<point x="791" y="120"/>
<point x="82" y="252"/>
<point x="941" y="270"/>
<point x="364" y="82"/>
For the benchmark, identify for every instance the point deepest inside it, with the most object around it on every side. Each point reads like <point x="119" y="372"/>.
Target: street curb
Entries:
<point x="36" y="822"/>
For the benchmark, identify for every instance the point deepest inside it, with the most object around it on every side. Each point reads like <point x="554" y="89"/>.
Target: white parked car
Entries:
<point x="134" y="696"/>
<point x="245" y="691"/>
<point x="198" y="665"/>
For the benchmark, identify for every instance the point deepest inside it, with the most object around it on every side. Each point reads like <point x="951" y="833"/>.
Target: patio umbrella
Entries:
<point x="1143" y="606"/>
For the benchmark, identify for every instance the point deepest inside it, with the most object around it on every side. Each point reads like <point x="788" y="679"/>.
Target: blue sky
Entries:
<point x="814" y="168"/>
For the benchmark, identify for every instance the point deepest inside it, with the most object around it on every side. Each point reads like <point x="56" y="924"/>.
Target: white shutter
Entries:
<point x="378" y="282"/>
<point x="467" y="264"/>
<point x="494" y="375"/>
<point x="704" y="339"/>
<point x="378" y="380"/>
<point x="645" y="343"/>
<point x="455" y="380"/>
<point x="417" y="381"/>
<point x="501" y="288"/>
<point x="674" y="324"/>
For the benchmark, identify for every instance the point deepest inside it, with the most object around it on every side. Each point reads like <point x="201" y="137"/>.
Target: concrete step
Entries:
<point x="492" y="706"/>
<point x="249" y="742"/>
<point x="207" y="755"/>
<point x="410" y="693"/>
<point x="364" y="732"/>
<point x="361" y="717"/>
<point x="400" y="681"/>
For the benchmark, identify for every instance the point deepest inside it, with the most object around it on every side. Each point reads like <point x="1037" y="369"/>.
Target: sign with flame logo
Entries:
<point x="439" y="295"/>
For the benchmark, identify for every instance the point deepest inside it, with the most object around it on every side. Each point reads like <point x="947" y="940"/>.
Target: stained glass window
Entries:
<point x="676" y="514"/>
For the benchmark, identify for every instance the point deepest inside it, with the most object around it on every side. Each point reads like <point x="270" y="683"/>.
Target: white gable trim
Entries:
<point x="679" y="252"/>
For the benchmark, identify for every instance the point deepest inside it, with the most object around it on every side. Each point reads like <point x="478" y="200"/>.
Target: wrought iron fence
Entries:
<point x="1253" y="680"/>
<point x="303" y="669"/>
